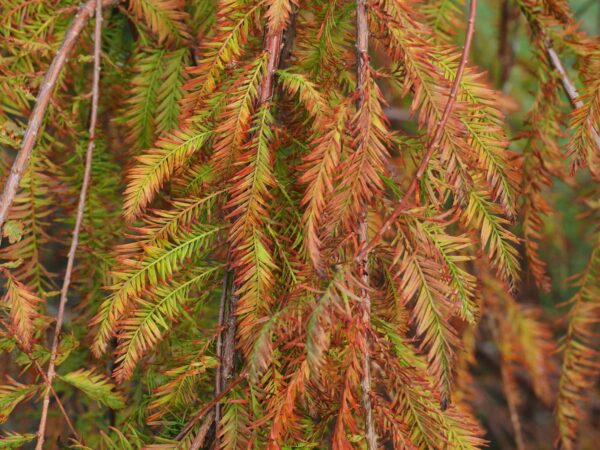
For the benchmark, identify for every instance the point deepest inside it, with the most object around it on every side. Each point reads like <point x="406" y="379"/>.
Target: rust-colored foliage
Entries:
<point x="304" y="224"/>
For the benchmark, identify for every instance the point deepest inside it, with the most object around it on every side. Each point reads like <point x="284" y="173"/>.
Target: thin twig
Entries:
<point x="43" y="99"/>
<point x="78" y="222"/>
<point x="362" y="63"/>
<point x="23" y="348"/>
<point x="435" y="142"/>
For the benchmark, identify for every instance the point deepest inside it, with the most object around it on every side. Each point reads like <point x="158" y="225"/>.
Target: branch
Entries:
<point x="362" y="66"/>
<point x="78" y="221"/>
<point x="43" y="99"/>
<point x="274" y="45"/>
<point x="435" y="142"/>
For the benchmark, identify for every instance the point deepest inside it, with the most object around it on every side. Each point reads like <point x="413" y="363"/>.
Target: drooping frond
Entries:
<point x="166" y="18"/>
<point x="141" y="106"/>
<point x="153" y="318"/>
<point x="416" y="402"/>
<point x="235" y="22"/>
<point x="319" y="175"/>
<point x="180" y="389"/>
<point x="307" y="92"/>
<point x="29" y="216"/>
<point x="153" y="105"/>
<point x="234" y="426"/>
<point x="23" y="305"/>
<point x="484" y="125"/>
<point x="580" y="353"/>
<point x="11" y="395"/>
<point x="155" y="168"/>
<point x="444" y="16"/>
<point x="540" y="162"/>
<point x="449" y="250"/>
<point x="14" y="440"/>
<point x="497" y="241"/>
<point x="359" y="176"/>
<point x="156" y="263"/>
<point x="419" y="281"/>
<point x="234" y="122"/>
<point x="584" y="146"/>
<point x="248" y="203"/>
<point x="170" y="91"/>
<point x="95" y="386"/>
<point x="165" y="224"/>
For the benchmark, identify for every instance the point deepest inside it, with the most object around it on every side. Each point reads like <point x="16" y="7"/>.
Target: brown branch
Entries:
<point x="435" y="142"/>
<point x="24" y="349"/>
<point x="362" y="67"/>
<point x="274" y="45"/>
<point x="225" y="344"/>
<point x="43" y="99"/>
<point x="78" y="221"/>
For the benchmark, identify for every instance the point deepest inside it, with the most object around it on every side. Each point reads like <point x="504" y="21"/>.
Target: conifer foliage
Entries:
<point x="277" y="224"/>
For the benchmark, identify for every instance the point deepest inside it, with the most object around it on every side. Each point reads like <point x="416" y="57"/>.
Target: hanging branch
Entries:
<point x="43" y="99"/>
<point x="226" y="342"/>
<point x="78" y="221"/>
<point x="435" y="141"/>
<point x="362" y="62"/>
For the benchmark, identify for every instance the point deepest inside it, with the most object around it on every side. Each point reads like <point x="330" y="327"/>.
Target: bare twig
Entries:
<point x="78" y="221"/>
<point x="24" y="349"/>
<point x="362" y="57"/>
<point x="43" y="99"/>
<point x="435" y="141"/>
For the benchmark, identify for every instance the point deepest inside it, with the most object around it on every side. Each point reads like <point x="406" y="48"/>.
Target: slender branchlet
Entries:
<point x="77" y="228"/>
<point x="362" y="63"/>
<point x="273" y="45"/>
